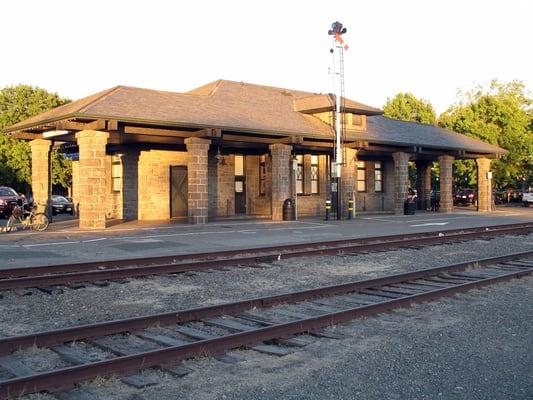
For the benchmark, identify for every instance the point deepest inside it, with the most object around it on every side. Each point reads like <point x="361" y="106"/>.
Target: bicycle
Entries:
<point x="21" y="219"/>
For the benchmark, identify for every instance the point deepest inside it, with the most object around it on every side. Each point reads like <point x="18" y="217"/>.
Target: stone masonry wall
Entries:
<point x="40" y="172"/>
<point x="423" y="184"/>
<point x="92" y="178"/>
<point x="153" y="182"/>
<point x="225" y="195"/>
<point x="281" y="178"/>
<point x="197" y="170"/>
<point x="348" y="179"/>
<point x="257" y="204"/>
<point x="114" y="207"/>
<point x="370" y="200"/>
<point x="446" y="182"/>
<point x="484" y="185"/>
<point x="401" y="180"/>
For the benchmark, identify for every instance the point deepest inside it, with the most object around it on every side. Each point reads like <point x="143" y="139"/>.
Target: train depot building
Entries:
<point x="232" y="148"/>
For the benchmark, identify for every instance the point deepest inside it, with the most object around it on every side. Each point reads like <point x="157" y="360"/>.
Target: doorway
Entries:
<point x="240" y="185"/>
<point x="179" y="192"/>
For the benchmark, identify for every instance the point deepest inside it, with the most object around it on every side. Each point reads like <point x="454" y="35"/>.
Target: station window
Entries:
<point x="116" y="173"/>
<point x="361" y="176"/>
<point x="357" y="120"/>
<point x="378" y="176"/>
<point x="314" y="174"/>
<point x="239" y="165"/>
<point x="300" y="174"/>
<point x="262" y="174"/>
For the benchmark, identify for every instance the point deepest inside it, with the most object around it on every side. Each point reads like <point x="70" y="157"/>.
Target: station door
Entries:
<point x="179" y="193"/>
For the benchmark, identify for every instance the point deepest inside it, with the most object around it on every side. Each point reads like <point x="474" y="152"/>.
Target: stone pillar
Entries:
<point x="40" y="173"/>
<point x="197" y="173"/>
<point x="446" y="183"/>
<point x="484" y="185"/>
<point x="423" y="184"/>
<point x="92" y="178"/>
<point x="401" y="180"/>
<point x="76" y="185"/>
<point x="348" y="180"/>
<point x="281" y="177"/>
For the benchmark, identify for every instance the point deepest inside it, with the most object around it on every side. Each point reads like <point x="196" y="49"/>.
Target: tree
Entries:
<point x="406" y="107"/>
<point x="501" y="115"/>
<point x="16" y="104"/>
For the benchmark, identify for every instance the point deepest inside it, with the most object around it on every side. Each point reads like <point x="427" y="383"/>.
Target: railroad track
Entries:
<point x="271" y="324"/>
<point x="47" y="277"/>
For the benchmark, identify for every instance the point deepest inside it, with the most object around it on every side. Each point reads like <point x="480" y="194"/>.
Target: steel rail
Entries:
<point x="323" y="249"/>
<point x="55" y="337"/>
<point x="173" y="259"/>
<point x="66" y="377"/>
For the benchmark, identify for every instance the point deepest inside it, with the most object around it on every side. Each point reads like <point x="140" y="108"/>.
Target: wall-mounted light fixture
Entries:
<point x="221" y="160"/>
<point x="53" y="134"/>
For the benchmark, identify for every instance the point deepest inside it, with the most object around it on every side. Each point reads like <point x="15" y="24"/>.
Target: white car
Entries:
<point x="527" y="199"/>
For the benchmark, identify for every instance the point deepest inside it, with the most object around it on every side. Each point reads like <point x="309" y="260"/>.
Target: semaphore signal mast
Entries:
<point x="337" y="50"/>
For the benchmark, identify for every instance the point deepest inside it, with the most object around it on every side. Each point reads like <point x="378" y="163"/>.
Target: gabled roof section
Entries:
<point x="249" y="108"/>
<point x="318" y="103"/>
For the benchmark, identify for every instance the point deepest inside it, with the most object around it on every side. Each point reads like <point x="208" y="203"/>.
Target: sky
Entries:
<point x="431" y="48"/>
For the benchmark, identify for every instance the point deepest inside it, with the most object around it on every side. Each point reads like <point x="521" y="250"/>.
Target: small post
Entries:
<point x="350" y="209"/>
<point x="328" y="210"/>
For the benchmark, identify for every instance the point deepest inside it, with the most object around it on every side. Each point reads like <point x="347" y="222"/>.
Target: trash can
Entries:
<point x="289" y="212"/>
<point x="409" y="207"/>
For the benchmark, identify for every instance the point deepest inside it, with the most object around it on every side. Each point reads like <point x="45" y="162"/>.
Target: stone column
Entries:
<point x="40" y="173"/>
<point x="401" y="180"/>
<point x="92" y="178"/>
<point x="281" y="177"/>
<point x="348" y="181"/>
<point x="423" y="184"/>
<point x="446" y="183"/>
<point x="197" y="175"/>
<point x="484" y="185"/>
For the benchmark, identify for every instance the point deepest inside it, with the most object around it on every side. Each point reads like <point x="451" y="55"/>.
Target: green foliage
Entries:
<point x="23" y="101"/>
<point x="16" y="104"/>
<point x="503" y="116"/>
<point x="15" y="163"/>
<point x="61" y="170"/>
<point x="406" y="107"/>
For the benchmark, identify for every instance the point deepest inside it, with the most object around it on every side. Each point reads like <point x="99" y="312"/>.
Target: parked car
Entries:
<point x="499" y="197"/>
<point x="465" y="197"/>
<point x="61" y="205"/>
<point x="527" y="198"/>
<point x="8" y="200"/>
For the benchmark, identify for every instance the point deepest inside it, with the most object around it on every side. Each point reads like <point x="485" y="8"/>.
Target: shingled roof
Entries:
<point x="222" y="104"/>
<point x="244" y="107"/>
<point x="385" y="130"/>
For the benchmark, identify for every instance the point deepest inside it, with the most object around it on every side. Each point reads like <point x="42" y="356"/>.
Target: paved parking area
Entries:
<point x="63" y="242"/>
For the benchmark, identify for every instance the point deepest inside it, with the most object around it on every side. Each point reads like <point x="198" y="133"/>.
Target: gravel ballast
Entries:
<point x="474" y="346"/>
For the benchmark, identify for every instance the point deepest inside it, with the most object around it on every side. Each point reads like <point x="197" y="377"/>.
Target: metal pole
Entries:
<point x="295" y="172"/>
<point x="48" y="207"/>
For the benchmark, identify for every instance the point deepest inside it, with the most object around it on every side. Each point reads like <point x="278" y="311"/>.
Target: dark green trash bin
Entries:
<point x="409" y="207"/>
<point x="289" y="211"/>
